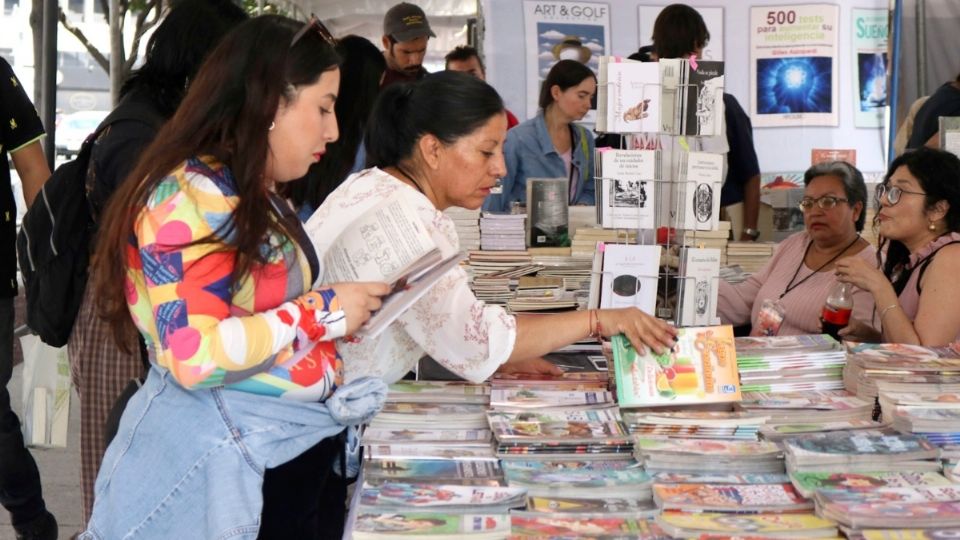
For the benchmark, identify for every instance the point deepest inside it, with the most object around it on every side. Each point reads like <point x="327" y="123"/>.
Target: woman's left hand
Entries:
<point x="858" y="272"/>
<point x="538" y="366"/>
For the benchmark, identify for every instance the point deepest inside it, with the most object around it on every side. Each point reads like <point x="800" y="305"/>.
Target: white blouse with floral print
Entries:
<point x="448" y="323"/>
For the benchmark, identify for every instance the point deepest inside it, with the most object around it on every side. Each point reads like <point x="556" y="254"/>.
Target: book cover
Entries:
<point x="627" y="188"/>
<point x="551" y="430"/>
<point x="374" y="526"/>
<point x="547" y="213"/>
<point x="682" y="524"/>
<point x="537" y="525"/>
<point x="633" y="104"/>
<point x="668" y="477"/>
<point x="809" y="482"/>
<point x="699" y="286"/>
<point x="418" y="495"/>
<point x="610" y="505"/>
<point x="630" y="276"/>
<point x="532" y="398"/>
<point x="860" y="446"/>
<point x="729" y="497"/>
<point x="431" y="470"/>
<point x="698" y="183"/>
<point x="691" y="97"/>
<point x="716" y="448"/>
<point x="578" y="479"/>
<point x="700" y="368"/>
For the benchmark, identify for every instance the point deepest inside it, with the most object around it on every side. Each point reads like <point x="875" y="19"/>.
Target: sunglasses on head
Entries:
<point x="314" y="23"/>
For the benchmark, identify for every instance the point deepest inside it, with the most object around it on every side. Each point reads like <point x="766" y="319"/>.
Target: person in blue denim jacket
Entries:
<point x="550" y="145"/>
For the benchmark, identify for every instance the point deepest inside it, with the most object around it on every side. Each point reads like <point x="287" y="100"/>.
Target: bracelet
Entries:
<point x="594" y="324"/>
<point x="886" y="309"/>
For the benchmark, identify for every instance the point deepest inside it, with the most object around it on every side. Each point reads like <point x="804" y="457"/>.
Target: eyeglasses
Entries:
<point x="825" y="203"/>
<point x="893" y="193"/>
<point x="314" y="23"/>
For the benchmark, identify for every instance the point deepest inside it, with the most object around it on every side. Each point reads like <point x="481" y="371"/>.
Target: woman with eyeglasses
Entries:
<point x="199" y="254"/>
<point x="786" y="296"/>
<point x="917" y="291"/>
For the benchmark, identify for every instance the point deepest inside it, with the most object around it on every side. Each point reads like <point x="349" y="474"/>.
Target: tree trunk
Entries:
<point x="36" y="18"/>
<point x="117" y="60"/>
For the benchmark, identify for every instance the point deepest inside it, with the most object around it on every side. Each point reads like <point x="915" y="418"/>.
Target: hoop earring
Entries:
<point x="272" y="125"/>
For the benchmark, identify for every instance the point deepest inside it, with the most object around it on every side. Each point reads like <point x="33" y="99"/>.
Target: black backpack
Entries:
<point x="53" y="245"/>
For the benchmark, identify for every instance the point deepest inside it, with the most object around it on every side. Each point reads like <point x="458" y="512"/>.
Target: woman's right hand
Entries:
<point x="358" y="300"/>
<point x="641" y="329"/>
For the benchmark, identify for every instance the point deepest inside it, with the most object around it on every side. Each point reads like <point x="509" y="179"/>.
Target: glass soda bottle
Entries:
<point x="837" y="309"/>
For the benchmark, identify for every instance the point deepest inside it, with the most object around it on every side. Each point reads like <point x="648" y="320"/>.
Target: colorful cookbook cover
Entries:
<point x="700" y="368"/>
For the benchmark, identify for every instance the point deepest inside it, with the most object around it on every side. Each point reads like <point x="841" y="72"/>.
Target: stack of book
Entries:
<point x="720" y="525"/>
<point x="858" y="452"/>
<point x="903" y="368"/>
<point x="930" y="413"/>
<point x="735" y="498"/>
<point x="536" y="293"/>
<point x="816" y="408"/>
<point x="503" y="232"/>
<point x="891" y="507"/>
<point x="750" y="256"/>
<point x="790" y="363"/>
<point x="467" y="223"/>
<point x="708" y="456"/>
<point x="429" y="468"/>
<point x="585" y="239"/>
<point x="723" y="425"/>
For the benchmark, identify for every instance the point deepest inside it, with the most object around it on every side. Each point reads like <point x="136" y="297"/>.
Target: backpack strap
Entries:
<point x="926" y="262"/>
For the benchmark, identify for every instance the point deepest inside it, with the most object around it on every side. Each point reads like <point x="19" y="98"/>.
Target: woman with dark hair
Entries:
<point x="551" y="145"/>
<point x="360" y="74"/>
<point x="919" y="227"/>
<point x="438" y="143"/>
<point x="216" y="275"/>
<point x="99" y="368"/>
<point x="791" y="288"/>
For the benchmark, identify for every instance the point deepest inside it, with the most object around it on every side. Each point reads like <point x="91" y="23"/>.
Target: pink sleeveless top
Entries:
<point x="909" y="298"/>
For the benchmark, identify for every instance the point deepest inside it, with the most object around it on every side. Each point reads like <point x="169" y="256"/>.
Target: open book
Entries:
<point x="388" y="243"/>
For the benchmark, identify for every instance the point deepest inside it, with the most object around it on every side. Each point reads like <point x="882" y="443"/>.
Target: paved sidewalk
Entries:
<point x="59" y="471"/>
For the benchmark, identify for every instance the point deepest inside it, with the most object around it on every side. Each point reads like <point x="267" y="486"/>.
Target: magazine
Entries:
<point x="701" y="368"/>
<point x="388" y="243"/>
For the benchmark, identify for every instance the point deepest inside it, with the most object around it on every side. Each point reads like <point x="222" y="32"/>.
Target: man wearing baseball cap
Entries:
<point x="405" y="35"/>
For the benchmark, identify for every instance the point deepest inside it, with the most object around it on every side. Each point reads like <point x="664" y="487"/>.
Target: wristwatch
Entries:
<point x="752" y="233"/>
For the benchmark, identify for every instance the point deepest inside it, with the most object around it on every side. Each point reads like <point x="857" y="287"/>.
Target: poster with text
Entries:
<point x="563" y="30"/>
<point x="870" y="66"/>
<point x="712" y="16"/>
<point x="793" y="71"/>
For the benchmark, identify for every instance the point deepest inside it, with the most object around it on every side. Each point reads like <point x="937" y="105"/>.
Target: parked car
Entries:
<point x="74" y="128"/>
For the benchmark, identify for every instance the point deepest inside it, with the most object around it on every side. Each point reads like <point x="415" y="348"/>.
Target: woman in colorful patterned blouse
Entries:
<point x="439" y="143"/>
<point x="216" y="272"/>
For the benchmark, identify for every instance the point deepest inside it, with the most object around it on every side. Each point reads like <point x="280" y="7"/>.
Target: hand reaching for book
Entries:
<point x="358" y="300"/>
<point x="641" y="329"/>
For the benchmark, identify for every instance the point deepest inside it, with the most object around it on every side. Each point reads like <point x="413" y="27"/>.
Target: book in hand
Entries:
<point x="700" y="368"/>
<point x="388" y="243"/>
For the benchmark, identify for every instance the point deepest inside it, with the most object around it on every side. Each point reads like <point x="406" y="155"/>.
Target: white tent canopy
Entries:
<point x="448" y="19"/>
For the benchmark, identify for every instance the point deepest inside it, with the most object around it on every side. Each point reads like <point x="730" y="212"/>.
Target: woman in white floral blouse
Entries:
<point x="439" y="143"/>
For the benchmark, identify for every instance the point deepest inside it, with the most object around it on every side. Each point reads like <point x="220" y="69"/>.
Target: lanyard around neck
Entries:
<point x="791" y="285"/>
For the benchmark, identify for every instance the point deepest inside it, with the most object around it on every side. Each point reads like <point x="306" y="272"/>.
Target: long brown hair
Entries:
<point x="226" y="114"/>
